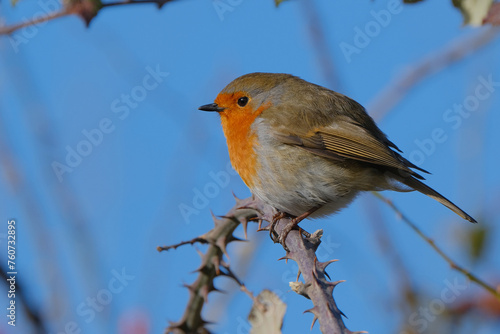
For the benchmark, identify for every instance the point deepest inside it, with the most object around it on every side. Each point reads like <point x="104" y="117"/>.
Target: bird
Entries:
<point x="308" y="151"/>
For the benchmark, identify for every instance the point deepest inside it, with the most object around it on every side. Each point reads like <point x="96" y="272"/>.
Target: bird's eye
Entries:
<point x="242" y="101"/>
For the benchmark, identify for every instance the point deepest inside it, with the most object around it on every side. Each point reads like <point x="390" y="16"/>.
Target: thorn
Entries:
<point x="189" y="287"/>
<point x="229" y="273"/>
<point x="221" y="243"/>
<point x="216" y="263"/>
<point x="203" y="266"/>
<point x="232" y="238"/>
<point x="233" y="218"/>
<point x="298" y="275"/>
<point x="311" y="310"/>
<point x="200" y="253"/>
<point x="205" y="322"/>
<point x="259" y="213"/>
<point x="211" y="287"/>
<point x="342" y="313"/>
<point x="86" y="12"/>
<point x="161" y="3"/>
<point x="315" y="275"/>
<point x="236" y="198"/>
<point x="223" y="264"/>
<point x="314" y="321"/>
<point x="244" y="223"/>
<point x="175" y="327"/>
<point x="216" y="219"/>
<point x="204" y="293"/>
<point x="214" y="289"/>
<point x="334" y="284"/>
<point x="323" y="265"/>
<point x="285" y="258"/>
<point x="201" y="269"/>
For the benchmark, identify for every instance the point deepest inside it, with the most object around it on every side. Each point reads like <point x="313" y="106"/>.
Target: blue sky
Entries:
<point x="133" y="81"/>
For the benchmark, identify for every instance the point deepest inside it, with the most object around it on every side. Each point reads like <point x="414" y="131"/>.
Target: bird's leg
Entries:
<point x="290" y="226"/>
<point x="272" y="232"/>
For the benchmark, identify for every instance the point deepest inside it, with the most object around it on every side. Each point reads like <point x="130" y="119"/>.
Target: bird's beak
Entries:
<point x="211" y="107"/>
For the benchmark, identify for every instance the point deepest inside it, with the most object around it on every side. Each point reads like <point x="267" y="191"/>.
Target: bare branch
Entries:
<point x="430" y="64"/>
<point x="431" y="242"/>
<point x="319" y="41"/>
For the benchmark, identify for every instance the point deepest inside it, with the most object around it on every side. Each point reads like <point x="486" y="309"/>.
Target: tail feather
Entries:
<point x="425" y="189"/>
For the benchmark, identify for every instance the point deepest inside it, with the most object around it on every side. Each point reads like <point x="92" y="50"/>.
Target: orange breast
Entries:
<point x="241" y="140"/>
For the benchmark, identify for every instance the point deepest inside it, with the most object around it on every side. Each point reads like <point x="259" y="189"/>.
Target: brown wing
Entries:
<point x="348" y="140"/>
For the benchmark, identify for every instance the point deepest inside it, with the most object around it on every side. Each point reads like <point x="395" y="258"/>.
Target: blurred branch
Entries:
<point x="320" y="44"/>
<point x="86" y="9"/>
<point x="431" y="64"/>
<point x="316" y="287"/>
<point x="73" y="224"/>
<point x="34" y="316"/>
<point x="7" y="30"/>
<point x="431" y="242"/>
<point x="49" y="273"/>
<point x="159" y="3"/>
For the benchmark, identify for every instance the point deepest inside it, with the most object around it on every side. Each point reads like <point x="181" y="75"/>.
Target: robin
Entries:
<point x="309" y="151"/>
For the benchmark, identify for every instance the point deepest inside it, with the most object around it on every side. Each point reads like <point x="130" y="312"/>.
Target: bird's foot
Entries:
<point x="272" y="226"/>
<point x="291" y="225"/>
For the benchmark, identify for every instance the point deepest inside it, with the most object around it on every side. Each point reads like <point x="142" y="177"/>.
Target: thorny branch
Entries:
<point x="212" y="266"/>
<point x="86" y="9"/>
<point x="316" y="287"/>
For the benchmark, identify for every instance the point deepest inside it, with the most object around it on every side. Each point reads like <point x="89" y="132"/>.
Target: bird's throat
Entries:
<point x="241" y="140"/>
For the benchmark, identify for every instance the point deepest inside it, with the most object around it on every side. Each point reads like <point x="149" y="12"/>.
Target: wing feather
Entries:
<point x="348" y="140"/>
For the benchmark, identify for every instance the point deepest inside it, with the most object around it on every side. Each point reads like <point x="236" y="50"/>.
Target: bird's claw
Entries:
<point x="292" y="224"/>
<point x="272" y="227"/>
